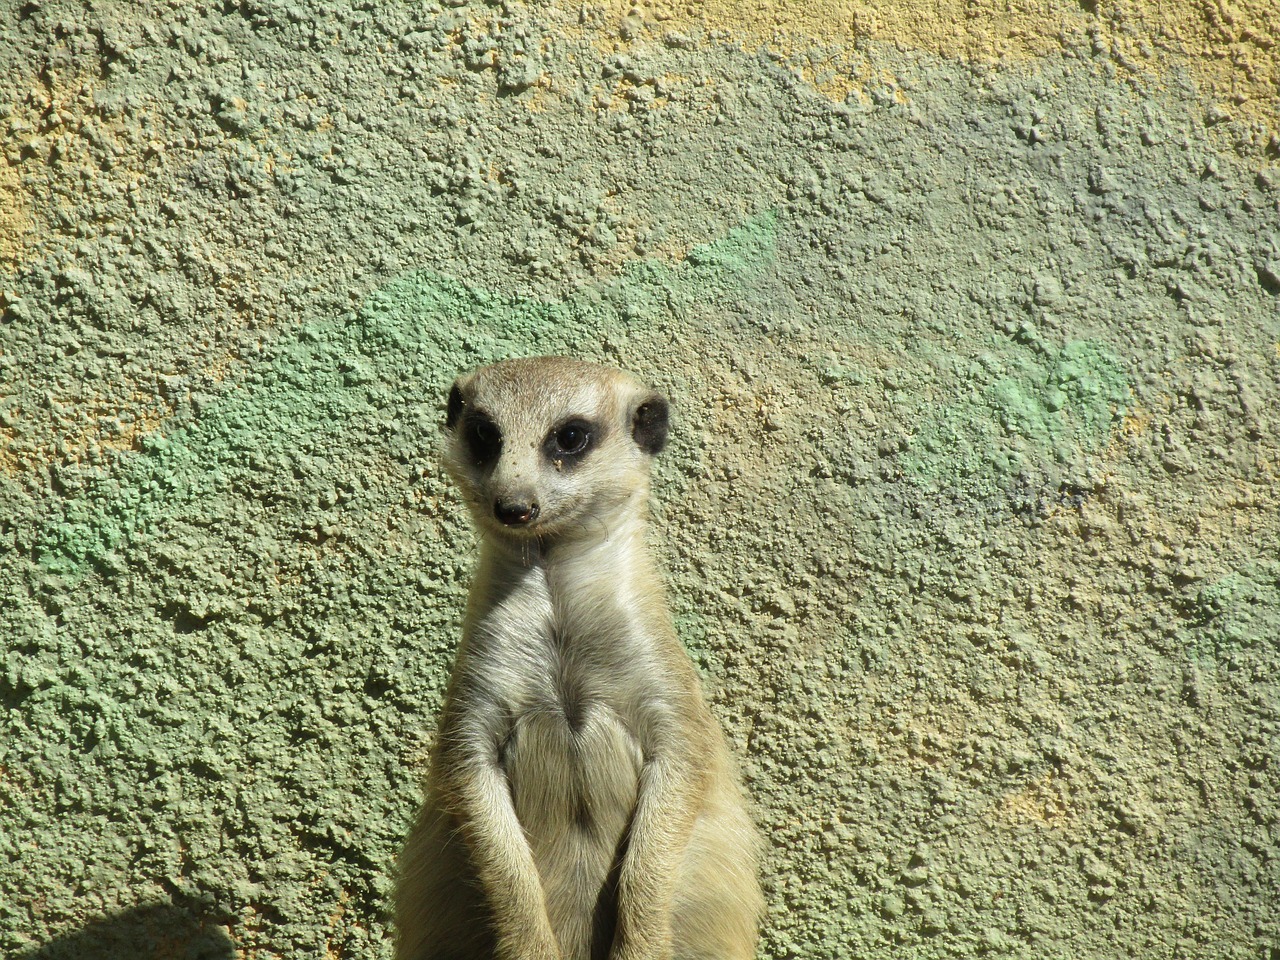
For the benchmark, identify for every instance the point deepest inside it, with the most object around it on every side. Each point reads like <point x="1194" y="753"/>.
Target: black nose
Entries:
<point x="516" y="513"/>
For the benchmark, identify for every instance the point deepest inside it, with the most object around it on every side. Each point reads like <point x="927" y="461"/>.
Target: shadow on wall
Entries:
<point x="183" y="929"/>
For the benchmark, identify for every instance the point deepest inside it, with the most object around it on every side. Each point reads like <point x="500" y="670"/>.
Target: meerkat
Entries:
<point x="581" y="800"/>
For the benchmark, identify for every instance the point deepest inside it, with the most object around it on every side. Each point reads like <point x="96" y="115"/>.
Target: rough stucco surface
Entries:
<point x="972" y="322"/>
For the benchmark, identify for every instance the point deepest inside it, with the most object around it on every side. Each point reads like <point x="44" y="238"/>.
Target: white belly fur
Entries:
<point x="574" y="789"/>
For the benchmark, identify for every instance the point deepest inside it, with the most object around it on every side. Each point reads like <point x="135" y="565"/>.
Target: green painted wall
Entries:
<point x="970" y="514"/>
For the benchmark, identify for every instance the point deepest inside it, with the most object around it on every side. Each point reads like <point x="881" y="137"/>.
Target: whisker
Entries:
<point x="592" y="515"/>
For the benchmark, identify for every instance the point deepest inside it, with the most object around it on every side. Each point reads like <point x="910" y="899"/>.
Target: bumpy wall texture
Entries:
<point x="970" y="313"/>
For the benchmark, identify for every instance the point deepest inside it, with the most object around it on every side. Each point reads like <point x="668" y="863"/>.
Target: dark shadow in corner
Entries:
<point x="182" y="929"/>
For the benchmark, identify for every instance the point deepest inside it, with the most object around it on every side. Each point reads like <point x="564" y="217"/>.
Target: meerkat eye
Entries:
<point x="483" y="439"/>
<point x="572" y="437"/>
<point x="568" y="443"/>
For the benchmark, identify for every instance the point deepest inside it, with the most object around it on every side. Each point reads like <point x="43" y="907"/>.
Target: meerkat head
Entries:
<point x="552" y="447"/>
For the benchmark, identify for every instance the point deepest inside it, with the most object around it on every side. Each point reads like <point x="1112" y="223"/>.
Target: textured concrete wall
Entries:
<point x="971" y="320"/>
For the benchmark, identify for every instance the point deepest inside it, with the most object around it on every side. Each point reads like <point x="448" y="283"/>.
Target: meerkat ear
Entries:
<point x="649" y="423"/>
<point x="454" y="409"/>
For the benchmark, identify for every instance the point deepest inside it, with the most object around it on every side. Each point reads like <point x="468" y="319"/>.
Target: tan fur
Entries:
<point x="581" y="801"/>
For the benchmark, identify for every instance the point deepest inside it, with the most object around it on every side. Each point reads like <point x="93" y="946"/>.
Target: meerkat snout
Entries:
<point x="516" y="512"/>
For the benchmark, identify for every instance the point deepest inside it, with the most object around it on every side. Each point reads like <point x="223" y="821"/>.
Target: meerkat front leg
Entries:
<point x="480" y="799"/>
<point x="670" y="796"/>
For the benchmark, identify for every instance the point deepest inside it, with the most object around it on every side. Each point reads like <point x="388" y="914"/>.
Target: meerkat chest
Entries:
<point x="572" y="753"/>
<point x="569" y="663"/>
<point x="572" y="725"/>
<point x="573" y="764"/>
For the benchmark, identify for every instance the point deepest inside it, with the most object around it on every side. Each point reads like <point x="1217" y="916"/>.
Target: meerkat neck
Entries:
<point x="619" y="551"/>
<point x="610" y="565"/>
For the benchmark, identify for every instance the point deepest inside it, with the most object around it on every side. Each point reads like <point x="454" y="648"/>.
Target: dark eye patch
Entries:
<point x="569" y="442"/>
<point x="482" y="437"/>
